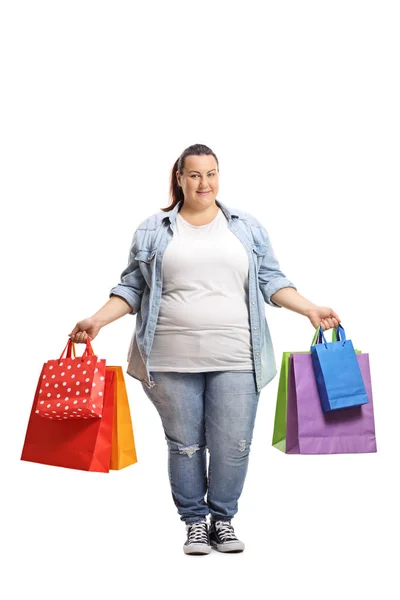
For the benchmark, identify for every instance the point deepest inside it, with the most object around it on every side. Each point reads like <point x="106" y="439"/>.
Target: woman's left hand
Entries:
<point x="324" y="316"/>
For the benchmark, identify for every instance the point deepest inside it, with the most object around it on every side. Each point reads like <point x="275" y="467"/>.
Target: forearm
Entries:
<point x="289" y="298"/>
<point x="115" y="308"/>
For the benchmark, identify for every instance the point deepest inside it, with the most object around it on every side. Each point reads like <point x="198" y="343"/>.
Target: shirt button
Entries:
<point x="257" y="353"/>
<point x="254" y="327"/>
<point x="253" y="302"/>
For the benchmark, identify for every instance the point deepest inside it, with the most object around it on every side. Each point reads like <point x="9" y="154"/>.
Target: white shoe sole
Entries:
<point x="228" y="546"/>
<point x="197" y="549"/>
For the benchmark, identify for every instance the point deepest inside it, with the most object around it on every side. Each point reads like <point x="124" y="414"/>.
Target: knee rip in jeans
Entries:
<point x="242" y="445"/>
<point x="189" y="450"/>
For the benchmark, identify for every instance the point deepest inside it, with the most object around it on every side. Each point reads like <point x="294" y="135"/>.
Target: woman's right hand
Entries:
<point x="87" y="327"/>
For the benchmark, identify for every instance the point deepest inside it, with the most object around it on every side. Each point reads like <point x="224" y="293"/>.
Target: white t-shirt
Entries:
<point x="203" y="323"/>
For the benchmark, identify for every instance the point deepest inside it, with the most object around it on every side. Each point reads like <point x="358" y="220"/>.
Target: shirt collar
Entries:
<point x="171" y="214"/>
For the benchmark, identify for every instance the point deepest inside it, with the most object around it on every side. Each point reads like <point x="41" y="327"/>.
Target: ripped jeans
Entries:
<point x="212" y="410"/>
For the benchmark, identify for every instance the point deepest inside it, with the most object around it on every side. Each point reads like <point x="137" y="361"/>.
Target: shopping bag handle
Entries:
<point x="70" y="344"/>
<point x="316" y="337"/>
<point x="71" y="347"/>
<point x="89" y="348"/>
<point x="338" y="335"/>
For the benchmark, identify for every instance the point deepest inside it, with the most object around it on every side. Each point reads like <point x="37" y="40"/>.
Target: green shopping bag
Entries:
<point x="279" y="433"/>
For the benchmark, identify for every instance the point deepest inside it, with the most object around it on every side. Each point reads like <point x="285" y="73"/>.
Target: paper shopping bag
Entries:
<point x="280" y="423"/>
<point x="123" y="450"/>
<point x="311" y="431"/>
<point x="72" y="443"/>
<point x="337" y="373"/>
<point x="72" y="387"/>
<point x="301" y="426"/>
<point x="279" y="433"/>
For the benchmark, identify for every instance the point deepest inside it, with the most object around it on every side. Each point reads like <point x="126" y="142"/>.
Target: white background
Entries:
<point x="300" y="102"/>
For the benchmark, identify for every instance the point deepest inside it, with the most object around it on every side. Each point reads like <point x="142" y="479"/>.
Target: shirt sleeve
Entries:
<point x="270" y="277"/>
<point x="132" y="282"/>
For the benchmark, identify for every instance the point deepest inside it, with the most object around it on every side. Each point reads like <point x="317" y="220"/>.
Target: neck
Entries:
<point x="199" y="217"/>
<point x="199" y="211"/>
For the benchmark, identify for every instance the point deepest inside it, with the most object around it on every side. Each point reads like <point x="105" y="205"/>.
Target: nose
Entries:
<point x="204" y="187"/>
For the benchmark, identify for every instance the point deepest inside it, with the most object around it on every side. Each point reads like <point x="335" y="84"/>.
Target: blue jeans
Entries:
<point x="214" y="410"/>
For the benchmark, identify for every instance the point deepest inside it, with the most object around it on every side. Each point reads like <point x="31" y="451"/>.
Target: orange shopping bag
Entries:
<point x="123" y="450"/>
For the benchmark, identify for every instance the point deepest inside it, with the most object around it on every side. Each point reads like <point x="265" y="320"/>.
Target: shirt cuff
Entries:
<point x="273" y="286"/>
<point x="127" y="294"/>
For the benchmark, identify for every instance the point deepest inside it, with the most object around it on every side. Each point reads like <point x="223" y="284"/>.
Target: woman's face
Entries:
<point x="199" y="175"/>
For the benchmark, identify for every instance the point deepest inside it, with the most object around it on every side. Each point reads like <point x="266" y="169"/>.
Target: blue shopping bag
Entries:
<point x="337" y="372"/>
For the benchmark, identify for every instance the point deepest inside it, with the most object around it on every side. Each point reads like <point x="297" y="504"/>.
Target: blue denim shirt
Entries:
<point x="141" y="287"/>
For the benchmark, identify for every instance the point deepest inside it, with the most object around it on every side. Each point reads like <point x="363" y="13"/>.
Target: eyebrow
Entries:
<point x="193" y="171"/>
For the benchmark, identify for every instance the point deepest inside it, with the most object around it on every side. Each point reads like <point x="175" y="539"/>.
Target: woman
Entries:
<point x="197" y="278"/>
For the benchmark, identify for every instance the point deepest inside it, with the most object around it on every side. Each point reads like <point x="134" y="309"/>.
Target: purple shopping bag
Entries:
<point x="311" y="431"/>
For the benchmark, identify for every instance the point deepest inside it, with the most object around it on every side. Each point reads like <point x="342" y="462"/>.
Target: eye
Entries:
<point x="196" y="175"/>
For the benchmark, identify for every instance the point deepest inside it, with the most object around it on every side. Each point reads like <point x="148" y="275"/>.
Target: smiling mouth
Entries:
<point x="204" y="192"/>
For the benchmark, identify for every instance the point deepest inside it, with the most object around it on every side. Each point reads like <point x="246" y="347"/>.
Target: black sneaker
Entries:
<point x="223" y="538"/>
<point x="198" y="541"/>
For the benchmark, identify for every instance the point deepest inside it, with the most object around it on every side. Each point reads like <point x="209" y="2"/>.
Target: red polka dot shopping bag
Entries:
<point x="72" y="387"/>
<point x="94" y="438"/>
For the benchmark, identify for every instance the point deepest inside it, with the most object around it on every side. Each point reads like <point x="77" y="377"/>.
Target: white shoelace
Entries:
<point x="225" y="531"/>
<point x="197" y="533"/>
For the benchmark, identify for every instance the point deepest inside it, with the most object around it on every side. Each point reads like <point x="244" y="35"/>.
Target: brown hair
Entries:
<point x="176" y="192"/>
